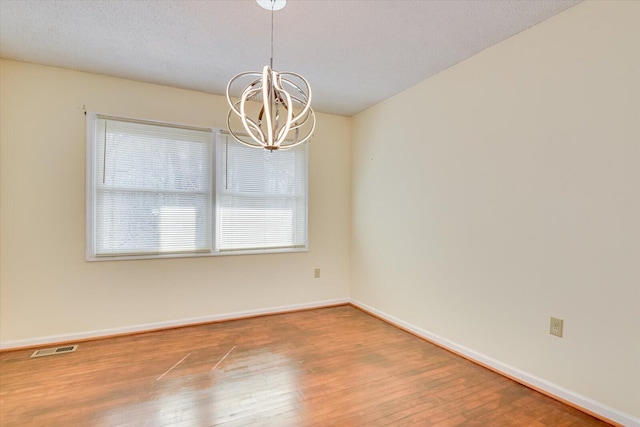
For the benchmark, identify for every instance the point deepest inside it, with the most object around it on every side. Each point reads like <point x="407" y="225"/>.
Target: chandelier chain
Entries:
<point x="273" y="2"/>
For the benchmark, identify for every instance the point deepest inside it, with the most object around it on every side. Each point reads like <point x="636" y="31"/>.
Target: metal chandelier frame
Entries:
<point x="285" y="118"/>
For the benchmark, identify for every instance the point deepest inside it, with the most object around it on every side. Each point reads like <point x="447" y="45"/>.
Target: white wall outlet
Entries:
<point x="555" y="327"/>
<point x="316" y="273"/>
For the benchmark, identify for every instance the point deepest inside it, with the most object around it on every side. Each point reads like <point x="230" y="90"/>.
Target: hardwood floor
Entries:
<point x="332" y="366"/>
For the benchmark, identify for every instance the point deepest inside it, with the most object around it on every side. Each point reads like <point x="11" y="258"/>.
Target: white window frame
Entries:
<point x="90" y="186"/>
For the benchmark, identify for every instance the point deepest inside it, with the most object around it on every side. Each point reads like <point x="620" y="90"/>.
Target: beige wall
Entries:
<point x="48" y="289"/>
<point x="506" y="190"/>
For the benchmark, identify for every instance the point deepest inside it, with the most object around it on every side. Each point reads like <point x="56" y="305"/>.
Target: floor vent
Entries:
<point x="55" y="350"/>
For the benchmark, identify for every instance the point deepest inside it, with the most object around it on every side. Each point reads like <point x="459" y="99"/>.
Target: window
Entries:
<point x="151" y="192"/>
<point x="261" y="197"/>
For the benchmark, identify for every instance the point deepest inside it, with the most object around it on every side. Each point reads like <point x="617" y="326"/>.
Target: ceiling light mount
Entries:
<point x="270" y="5"/>
<point x="281" y="116"/>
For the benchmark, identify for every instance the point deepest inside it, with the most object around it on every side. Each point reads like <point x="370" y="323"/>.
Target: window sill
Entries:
<point x="92" y="257"/>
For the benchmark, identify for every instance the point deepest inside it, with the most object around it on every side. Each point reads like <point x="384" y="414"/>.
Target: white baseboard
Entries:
<point x="16" y="344"/>
<point x="562" y="393"/>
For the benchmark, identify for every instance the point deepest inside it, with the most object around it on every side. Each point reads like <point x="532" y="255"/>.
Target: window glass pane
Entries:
<point x="135" y="222"/>
<point x="138" y="155"/>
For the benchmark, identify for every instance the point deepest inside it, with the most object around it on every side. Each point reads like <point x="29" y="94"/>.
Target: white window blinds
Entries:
<point x="261" y="197"/>
<point x="152" y="188"/>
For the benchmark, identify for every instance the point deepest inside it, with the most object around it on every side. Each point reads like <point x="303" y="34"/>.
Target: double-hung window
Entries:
<point x="261" y="197"/>
<point x="164" y="190"/>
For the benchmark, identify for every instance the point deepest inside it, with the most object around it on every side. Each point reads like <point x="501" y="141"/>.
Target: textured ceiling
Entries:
<point x="354" y="53"/>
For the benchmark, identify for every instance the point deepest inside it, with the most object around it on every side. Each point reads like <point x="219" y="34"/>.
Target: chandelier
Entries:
<point x="280" y="116"/>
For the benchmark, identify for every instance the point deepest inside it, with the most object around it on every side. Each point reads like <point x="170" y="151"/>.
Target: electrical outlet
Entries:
<point x="316" y="273"/>
<point x="555" y="327"/>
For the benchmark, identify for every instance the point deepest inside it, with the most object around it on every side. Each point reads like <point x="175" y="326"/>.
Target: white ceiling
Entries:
<point x="354" y="53"/>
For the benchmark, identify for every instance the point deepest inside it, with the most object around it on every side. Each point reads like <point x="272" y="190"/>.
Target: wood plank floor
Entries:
<point x="331" y="366"/>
